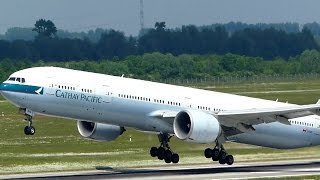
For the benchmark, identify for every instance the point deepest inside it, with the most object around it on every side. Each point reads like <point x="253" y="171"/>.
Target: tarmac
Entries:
<point x="272" y="169"/>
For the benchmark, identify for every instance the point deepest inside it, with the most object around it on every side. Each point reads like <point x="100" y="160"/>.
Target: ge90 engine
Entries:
<point x="99" y="131"/>
<point x="196" y="126"/>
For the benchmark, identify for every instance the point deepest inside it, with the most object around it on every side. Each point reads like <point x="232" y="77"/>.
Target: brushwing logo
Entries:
<point x="39" y="91"/>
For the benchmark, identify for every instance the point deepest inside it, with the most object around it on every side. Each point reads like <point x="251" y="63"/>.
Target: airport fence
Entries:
<point x="243" y="79"/>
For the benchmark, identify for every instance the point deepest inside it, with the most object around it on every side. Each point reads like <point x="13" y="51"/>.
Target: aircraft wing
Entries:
<point x="244" y="119"/>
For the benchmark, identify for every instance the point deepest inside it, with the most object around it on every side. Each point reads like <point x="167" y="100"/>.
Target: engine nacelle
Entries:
<point x="196" y="126"/>
<point x="99" y="131"/>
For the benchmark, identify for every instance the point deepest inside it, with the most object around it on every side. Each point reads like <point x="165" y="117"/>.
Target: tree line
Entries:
<point x="26" y="33"/>
<point x="267" y="43"/>
<point x="160" y="67"/>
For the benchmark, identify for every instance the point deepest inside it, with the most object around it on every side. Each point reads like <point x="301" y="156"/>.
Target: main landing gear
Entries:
<point x="218" y="153"/>
<point x="29" y="129"/>
<point x="164" y="152"/>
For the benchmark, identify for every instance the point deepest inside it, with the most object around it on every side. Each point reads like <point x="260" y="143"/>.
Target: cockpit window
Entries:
<point x="21" y="80"/>
<point x="12" y="79"/>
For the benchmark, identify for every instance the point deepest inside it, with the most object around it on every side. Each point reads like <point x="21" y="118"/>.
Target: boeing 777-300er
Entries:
<point x="105" y="105"/>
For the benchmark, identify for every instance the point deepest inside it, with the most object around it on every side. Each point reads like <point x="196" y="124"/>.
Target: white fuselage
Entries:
<point x="131" y="103"/>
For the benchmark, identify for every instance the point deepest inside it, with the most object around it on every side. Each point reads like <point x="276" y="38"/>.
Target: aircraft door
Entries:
<point x="187" y="102"/>
<point x="105" y="91"/>
<point x="51" y="88"/>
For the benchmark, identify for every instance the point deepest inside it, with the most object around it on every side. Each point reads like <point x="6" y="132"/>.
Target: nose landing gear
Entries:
<point x="29" y="129"/>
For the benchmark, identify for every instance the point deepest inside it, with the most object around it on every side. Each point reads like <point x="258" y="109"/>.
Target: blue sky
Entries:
<point x="82" y="15"/>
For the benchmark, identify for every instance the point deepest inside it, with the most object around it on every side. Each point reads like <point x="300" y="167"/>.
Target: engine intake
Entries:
<point x="196" y="126"/>
<point x="99" y="131"/>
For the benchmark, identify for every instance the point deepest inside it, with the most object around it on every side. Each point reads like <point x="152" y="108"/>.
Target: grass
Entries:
<point x="300" y="92"/>
<point x="295" y="178"/>
<point x="57" y="146"/>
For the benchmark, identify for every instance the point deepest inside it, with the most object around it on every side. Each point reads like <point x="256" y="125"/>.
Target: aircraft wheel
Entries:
<point x="161" y="153"/>
<point x="168" y="154"/>
<point x="175" y="158"/>
<point x="32" y="130"/>
<point x="154" y="151"/>
<point x="167" y="160"/>
<point x="229" y="160"/>
<point x="215" y="155"/>
<point x="26" y="130"/>
<point x="208" y="153"/>
<point x="222" y="161"/>
<point x="222" y="157"/>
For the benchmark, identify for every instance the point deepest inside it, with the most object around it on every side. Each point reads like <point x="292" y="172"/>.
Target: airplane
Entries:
<point x="104" y="106"/>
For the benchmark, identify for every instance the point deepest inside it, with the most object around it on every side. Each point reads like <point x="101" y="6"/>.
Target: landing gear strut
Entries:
<point x="218" y="153"/>
<point x="29" y="129"/>
<point x="164" y="152"/>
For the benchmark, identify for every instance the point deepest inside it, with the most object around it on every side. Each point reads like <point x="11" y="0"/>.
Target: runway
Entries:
<point x="214" y="171"/>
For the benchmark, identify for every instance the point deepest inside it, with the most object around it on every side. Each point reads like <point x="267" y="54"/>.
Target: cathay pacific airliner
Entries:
<point x="103" y="106"/>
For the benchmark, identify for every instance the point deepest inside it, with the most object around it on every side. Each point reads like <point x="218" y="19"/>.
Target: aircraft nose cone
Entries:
<point x="1" y="86"/>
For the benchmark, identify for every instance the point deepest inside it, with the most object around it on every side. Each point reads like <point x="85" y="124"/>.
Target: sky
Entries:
<point x="123" y="15"/>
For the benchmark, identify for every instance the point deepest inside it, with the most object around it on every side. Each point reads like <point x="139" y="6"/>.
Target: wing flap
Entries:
<point x="267" y="115"/>
<point x="164" y="115"/>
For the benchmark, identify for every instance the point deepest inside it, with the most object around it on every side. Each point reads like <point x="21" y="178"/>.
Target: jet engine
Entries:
<point x="196" y="126"/>
<point x="99" y="131"/>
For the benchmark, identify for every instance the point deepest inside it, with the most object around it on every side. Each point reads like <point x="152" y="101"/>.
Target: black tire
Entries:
<point x="222" y="157"/>
<point x="32" y="130"/>
<point x="215" y="154"/>
<point x="167" y="160"/>
<point x="222" y="161"/>
<point x="26" y="130"/>
<point x="168" y="155"/>
<point x="161" y="153"/>
<point x="154" y="152"/>
<point x="229" y="160"/>
<point x="175" y="158"/>
<point x="208" y="153"/>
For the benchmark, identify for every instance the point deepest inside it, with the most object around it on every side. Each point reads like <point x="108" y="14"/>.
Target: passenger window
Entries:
<point x="18" y="79"/>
